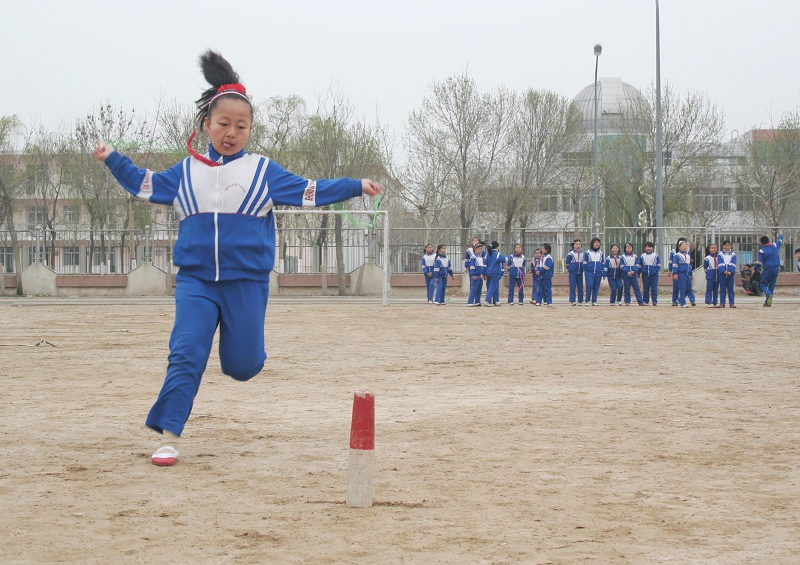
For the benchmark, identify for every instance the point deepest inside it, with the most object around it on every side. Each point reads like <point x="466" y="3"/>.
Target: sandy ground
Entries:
<point x="504" y="435"/>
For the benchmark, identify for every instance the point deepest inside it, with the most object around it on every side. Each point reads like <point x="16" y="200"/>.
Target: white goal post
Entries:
<point x="384" y="214"/>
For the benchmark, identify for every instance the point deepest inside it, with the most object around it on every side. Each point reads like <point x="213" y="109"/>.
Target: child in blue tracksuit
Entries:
<point x="651" y="266"/>
<point x="470" y="252"/>
<point x="226" y="243"/>
<point x="594" y="269"/>
<point x="545" y="270"/>
<point x="727" y="274"/>
<point x="631" y="267"/>
<point x="494" y="273"/>
<point x="427" y="271"/>
<point x="669" y="267"/>
<point x="441" y="270"/>
<point x="613" y="273"/>
<point x="477" y="270"/>
<point x="516" y="275"/>
<point x="710" y="266"/>
<point x="536" y="278"/>
<point x="769" y="259"/>
<point x="574" y="263"/>
<point x="682" y="272"/>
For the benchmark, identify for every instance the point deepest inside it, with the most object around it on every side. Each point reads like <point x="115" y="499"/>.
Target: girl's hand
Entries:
<point x="370" y="188"/>
<point x="102" y="151"/>
<point x="674" y="277"/>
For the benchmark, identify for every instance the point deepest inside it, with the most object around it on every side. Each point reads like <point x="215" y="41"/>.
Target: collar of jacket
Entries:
<point x="214" y="156"/>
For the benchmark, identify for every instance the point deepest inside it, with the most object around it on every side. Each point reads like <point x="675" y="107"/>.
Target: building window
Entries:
<point x="72" y="215"/>
<point x="7" y="259"/>
<point x="72" y="256"/>
<point x="35" y="217"/>
<point x="714" y="201"/>
<point x="548" y="203"/>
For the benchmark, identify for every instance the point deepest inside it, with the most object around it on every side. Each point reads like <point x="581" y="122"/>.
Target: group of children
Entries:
<point x="485" y="264"/>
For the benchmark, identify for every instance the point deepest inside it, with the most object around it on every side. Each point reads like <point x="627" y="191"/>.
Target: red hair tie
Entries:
<point x="234" y="87"/>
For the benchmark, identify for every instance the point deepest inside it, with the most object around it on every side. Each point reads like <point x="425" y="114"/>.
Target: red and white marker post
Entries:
<point x="360" y="470"/>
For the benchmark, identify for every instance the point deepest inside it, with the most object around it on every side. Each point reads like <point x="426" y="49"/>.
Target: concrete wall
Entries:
<point x="148" y="280"/>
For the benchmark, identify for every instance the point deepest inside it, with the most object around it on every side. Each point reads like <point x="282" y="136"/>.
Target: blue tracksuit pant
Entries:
<point x="592" y="286"/>
<point x="238" y="308"/>
<point x="475" y="290"/>
<point x="430" y="286"/>
<point x="631" y="282"/>
<point x="726" y="287"/>
<point x="650" y="288"/>
<point x="547" y="291"/>
<point x="684" y="288"/>
<point x="536" y="293"/>
<point x="493" y="289"/>
<point x="616" y="290"/>
<point x="576" y="286"/>
<point x="441" y="289"/>
<point x="712" y="290"/>
<point x="516" y="283"/>
<point x="768" y="279"/>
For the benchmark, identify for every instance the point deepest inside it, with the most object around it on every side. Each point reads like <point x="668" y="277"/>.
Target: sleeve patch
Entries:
<point x="310" y="194"/>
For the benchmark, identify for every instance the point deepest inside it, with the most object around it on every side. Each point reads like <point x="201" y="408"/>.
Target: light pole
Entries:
<point x="598" y="49"/>
<point x="659" y="144"/>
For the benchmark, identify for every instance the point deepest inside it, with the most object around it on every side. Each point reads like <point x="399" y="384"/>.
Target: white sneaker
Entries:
<point x="165" y="456"/>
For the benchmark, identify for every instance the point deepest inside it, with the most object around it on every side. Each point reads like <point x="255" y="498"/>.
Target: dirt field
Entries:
<point x="504" y="435"/>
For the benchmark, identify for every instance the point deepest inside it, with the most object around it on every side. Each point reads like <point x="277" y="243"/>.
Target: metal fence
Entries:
<point x="312" y="250"/>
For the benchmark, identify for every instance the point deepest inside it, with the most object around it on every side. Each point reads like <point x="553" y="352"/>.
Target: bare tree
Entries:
<point x="692" y="128"/>
<point x="14" y="144"/>
<point x="421" y="183"/>
<point x="107" y="203"/>
<point x="543" y="126"/>
<point x="48" y="167"/>
<point x="771" y="172"/>
<point x="464" y="130"/>
<point x="335" y="144"/>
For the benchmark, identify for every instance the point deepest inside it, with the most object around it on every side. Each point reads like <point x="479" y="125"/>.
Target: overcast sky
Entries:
<point x="63" y="58"/>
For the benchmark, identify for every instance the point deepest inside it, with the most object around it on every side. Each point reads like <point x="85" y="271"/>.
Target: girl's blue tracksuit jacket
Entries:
<point x="727" y="276"/>
<point x="427" y="272"/>
<point x="614" y="275"/>
<point x="594" y="270"/>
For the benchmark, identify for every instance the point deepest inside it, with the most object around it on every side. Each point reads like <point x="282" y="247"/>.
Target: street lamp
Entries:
<point x="659" y="144"/>
<point x="598" y="49"/>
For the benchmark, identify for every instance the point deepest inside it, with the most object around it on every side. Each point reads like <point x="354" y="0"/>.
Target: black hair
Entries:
<point x="574" y="241"/>
<point x="625" y="247"/>
<point x="764" y="240"/>
<point x="438" y="247"/>
<point x="613" y="245"/>
<point x="649" y="244"/>
<point x="726" y="242"/>
<point x="591" y="243"/>
<point x="678" y="243"/>
<point x="797" y="250"/>
<point x="217" y="71"/>
<point x="495" y="245"/>
<point x="547" y="247"/>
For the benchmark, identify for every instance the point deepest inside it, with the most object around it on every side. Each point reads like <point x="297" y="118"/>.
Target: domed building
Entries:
<point x="614" y="97"/>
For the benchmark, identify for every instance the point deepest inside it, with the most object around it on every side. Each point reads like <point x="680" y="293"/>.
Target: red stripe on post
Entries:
<point x="362" y="426"/>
